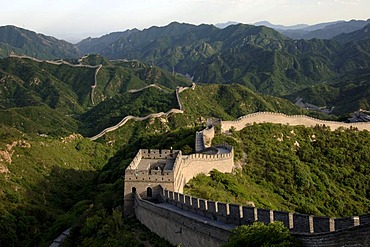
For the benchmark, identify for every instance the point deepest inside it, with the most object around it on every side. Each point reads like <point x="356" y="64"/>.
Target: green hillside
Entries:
<point x="231" y="101"/>
<point x="112" y="111"/>
<point x="350" y="93"/>
<point x="307" y="170"/>
<point x="46" y="98"/>
<point x="41" y="178"/>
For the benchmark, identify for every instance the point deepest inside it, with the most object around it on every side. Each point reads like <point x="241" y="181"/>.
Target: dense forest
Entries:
<point x="307" y="170"/>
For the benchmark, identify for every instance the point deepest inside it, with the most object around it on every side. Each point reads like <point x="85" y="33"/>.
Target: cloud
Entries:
<point x="348" y="2"/>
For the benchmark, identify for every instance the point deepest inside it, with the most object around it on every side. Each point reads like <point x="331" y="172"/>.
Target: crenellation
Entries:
<point x="187" y="204"/>
<point x="166" y="194"/>
<point x="212" y="209"/>
<point x="171" y="195"/>
<point x="194" y="204"/>
<point x="176" y="196"/>
<point x="263" y="215"/>
<point x="162" y="174"/>
<point x="322" y="224"/>
<point x="249" y="215"/>
<point x="203" y="206"/>
<point x="181" y="200"/>
<point x="222" y="211"/>
<point x="282" y="217"/>
<point x="301" y="223"/>
<point x="235" y="214"/>
<point x="342" y="223"/>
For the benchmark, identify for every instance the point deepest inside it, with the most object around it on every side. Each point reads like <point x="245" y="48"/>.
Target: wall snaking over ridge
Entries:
<point x="280" y="118"/>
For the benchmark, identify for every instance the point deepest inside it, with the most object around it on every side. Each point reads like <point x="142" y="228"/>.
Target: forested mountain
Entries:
<point x="258" y="57"/>
<point x="21" y="41"/>
<point x="255" y="56"/>
<point x="94" y="45"/>
<point x="59" y="93"/>
<point x="324" y="30"/>
<point x="361" y="34"/>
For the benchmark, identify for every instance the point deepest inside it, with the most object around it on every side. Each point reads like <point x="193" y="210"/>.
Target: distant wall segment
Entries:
<point x="280" y="118"/>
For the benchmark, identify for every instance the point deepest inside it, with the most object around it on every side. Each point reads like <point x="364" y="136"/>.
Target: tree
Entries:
<point x="259" y="234"/>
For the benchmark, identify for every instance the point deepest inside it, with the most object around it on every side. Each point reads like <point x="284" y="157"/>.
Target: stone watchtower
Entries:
<point x="154" y="170"/>
<point x="148" y="172"/>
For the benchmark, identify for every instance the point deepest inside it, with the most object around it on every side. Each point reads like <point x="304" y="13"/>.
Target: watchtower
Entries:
<point x="148" y="170"/>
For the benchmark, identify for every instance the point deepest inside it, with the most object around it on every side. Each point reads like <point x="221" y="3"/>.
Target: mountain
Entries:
<point x="24" y="42"/>
<point x="361" y="34"/>
<point x="94" y="45"/>
<point x="350" y="94"/>
<point x="256" y="56"/>
<point x="47" y="98"/>
<point x="281" y="27"/>
<point x="226" y="24"/>
<point x="326" y="30"/>
<point x="333" y="30"/>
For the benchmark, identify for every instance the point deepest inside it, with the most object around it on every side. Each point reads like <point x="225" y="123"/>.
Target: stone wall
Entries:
<point x="243" y="215"/>
<point x="179" y="228"/>
<point x="279" y="118"/>
<point x="189" y="229"/>
<point x="350" y="237"/>
<point x="195" y="164"/>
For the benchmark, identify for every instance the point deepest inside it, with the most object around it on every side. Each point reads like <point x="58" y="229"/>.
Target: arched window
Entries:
<point x="133" y="190"/>
<point x="149" y="192"/>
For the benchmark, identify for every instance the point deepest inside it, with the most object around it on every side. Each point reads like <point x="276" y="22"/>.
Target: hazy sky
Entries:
<point x="76" y="19"/>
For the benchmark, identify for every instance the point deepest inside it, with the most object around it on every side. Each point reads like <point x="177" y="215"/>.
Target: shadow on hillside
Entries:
<point x="25" y="219"/>
<point x="65" y="187"/>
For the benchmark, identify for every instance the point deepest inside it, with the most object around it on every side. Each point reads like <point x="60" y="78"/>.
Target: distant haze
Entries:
<point x="74" y="20"/>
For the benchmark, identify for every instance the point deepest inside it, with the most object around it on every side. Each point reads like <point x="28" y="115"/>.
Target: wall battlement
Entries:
<point x="280" y="118"/>
<point x="239" y="215"/>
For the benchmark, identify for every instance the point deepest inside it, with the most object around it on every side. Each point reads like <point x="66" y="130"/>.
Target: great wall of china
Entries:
<point x="280" y="118"/>
<point x="62" y="62"/>
<point x="160" y="175"/>
<point x="182" y="219"/>
<point x="153" y="188"/>
<point x="153" y="115"/>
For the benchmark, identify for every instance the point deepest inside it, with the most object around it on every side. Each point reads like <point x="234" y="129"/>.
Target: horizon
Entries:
<point x="76" y="20"/>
